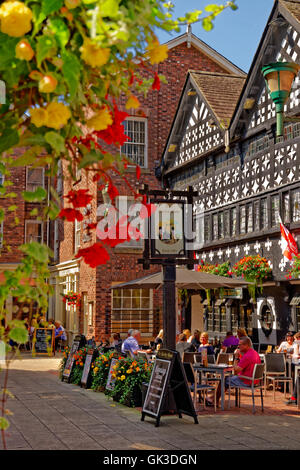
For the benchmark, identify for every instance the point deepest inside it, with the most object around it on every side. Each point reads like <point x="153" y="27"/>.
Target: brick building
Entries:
<point x="100" y="313"/>
<point x="28" y="228"/>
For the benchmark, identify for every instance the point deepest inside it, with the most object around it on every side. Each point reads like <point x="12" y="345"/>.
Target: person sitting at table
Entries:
<point x="287" y="345"/>
<point x="116" y="342"/>
<point x="60" y="334"/>
<point x="196" y="339"/>
<point x="131" y="344"/>
<point x="230" y="341"/>
<point x="295" y="362"/>
<point x="243" y="365"/>
<point x="205" y="344"/>
<point x="188" y="335"/>
<point x="182" y="346"/>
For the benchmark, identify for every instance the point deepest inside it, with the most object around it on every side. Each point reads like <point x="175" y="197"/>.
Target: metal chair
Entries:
<point x="258" y="375"/>
<point x="198" y="358"/>
<point x="275" y="365"/>
<point x="223" y="358"/>
<point x="188" y="357"/>
<point x="195" y="387"/>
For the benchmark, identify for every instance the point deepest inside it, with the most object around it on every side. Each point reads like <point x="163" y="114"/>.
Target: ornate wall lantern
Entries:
<point x="279" y="77"/>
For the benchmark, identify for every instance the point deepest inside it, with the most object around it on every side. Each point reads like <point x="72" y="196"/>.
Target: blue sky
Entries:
<point x="236" y="33"/>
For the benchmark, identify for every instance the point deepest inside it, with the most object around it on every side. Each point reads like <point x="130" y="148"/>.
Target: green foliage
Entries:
<point x="4" y="424"/>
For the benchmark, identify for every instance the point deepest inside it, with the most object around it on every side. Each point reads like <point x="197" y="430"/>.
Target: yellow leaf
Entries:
<point x="132" y="102"/>
<point x="157" y="52"/>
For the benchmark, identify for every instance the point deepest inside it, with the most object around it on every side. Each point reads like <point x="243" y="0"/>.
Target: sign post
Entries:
<point x="86" y="378"/>
<point x="167" y="239"/>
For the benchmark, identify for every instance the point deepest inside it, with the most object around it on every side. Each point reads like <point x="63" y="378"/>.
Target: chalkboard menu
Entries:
<point x="70" y="361"/>
<point x="86" y="374"/>
<point x="43" y="341"/>
<point x="110" y="384"/>
<point x="168" y="376"/>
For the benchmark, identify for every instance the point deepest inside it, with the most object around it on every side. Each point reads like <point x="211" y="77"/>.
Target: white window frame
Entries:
<point x="77" y="235"/>
<point x="145" y="120"/>
<point x="28" y="222"/>
<point x="43" y="178"/>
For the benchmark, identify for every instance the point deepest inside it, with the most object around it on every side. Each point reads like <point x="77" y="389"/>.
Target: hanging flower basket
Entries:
<point x="222" y="269"/>
<point x="71" y="298"/>
<point x="254" y="269"/>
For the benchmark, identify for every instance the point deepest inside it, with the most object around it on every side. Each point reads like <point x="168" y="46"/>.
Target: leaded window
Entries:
<point x="221" y="224"/>
<point x="34" y="178"/>
<point x="215" y="226"/>
<point x="226" y="224"/>
<point x="132" y="308"/>
<point x="233" y="218"/>
<point x="33" y="231"/>
<point x="256" y="216"/>
<point x="242" y="219"/>
<point x="275" y="210"/>
<point x="249" y="218"/>
<point x="286" y="207"/>
<point x="296" y="205"/>
<point x="264" y="213"/>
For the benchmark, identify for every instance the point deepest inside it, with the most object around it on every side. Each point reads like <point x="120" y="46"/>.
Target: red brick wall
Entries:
<point x="159" y="108"/>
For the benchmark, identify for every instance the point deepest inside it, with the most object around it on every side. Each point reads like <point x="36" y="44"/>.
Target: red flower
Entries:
<point x="94" y="255"/>
<point x="79" y="198"/>
<point x="114" y="134"/>
<point x="71" y="215"/>
<point x="156" y="82"/>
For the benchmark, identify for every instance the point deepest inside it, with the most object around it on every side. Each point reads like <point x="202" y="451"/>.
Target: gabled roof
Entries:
<point x="290" y="10"/>
<point x="200" y="45"/>
<point x="220" y="91"/>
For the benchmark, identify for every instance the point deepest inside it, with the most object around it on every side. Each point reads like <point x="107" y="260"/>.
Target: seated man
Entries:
<point x="242" y="366"/>
<point x="131" y="344"/>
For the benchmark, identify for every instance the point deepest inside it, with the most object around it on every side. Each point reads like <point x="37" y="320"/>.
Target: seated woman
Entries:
<point x="188" y="335"/>
<point x="205" y="344"/>
<point x="195" y="341"/>
<point x="182" y="345"/>
<point x="287" y="345"/>
<point x="117" y="342"/>
<point x="230" y="341"/>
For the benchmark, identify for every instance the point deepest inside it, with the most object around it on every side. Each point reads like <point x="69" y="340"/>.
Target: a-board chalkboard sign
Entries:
<point x="43" y="341"/>
<point x="87" y="373"/>
<point x="110" y="384"/>
<point x="167" y="376"/>
<point x="70" y="361"/>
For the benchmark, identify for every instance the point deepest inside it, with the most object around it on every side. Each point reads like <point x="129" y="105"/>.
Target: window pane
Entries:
<point x="264" y="213"/>
<point x="215" y="226"/>
<point x="33" y="232"/>
<point x="243" y="219"/>
<point x="34" y="178"/>
<point x="233" y="221"/>
<point x="249" y="218"/>
<point x="135" y="148"/>
<point x="256" y="216"/>
<point x="207" y="228"/>
<point x="226" y="224"/>
<point x="221" y="224"/>
<point x="274" y="210"/>
<point x="286" y="207"/>
<point x="138" y="315"/>
<point x="296" y="205"/>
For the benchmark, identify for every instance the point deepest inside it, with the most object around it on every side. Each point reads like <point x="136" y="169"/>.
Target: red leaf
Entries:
<point x="156" y="82"/>
<point x="116" y="235"/>
<point x="138" y="172"/>
<point x="112" y="191"/>
<point x="94" y="255"/>
<point x="114" y="134"/>
<point x="71" y="215"/>
<point x="79" y="198"/>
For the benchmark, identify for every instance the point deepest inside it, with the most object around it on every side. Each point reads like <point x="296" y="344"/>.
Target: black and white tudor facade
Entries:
<point x="223" y="143"/>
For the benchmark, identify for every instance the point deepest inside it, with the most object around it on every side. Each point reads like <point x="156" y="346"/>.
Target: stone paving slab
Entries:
<point x="50" y="414"/>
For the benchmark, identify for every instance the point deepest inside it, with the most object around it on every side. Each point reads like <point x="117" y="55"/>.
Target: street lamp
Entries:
<point x="279" y="77"/>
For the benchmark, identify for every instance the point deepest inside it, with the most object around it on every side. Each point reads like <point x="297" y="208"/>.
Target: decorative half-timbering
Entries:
<point x="247" y="179"/>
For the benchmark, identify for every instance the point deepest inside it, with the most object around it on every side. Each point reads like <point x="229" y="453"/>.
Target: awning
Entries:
<point x="295" y="301"/>
<point x="185" y="279"/>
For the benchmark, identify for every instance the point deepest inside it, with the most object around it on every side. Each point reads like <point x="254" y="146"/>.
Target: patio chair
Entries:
<point x="188" y="357"/>
<point x="209" y="376"/>
<point x="210" y="358"/>
<point x="275" y="364"/>
<point x="258" y="375"/>
<point x="223" y="358"/>
<point x="195" y="387"/>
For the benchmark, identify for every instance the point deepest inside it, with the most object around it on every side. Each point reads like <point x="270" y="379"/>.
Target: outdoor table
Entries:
<point x="222" y="369"/>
